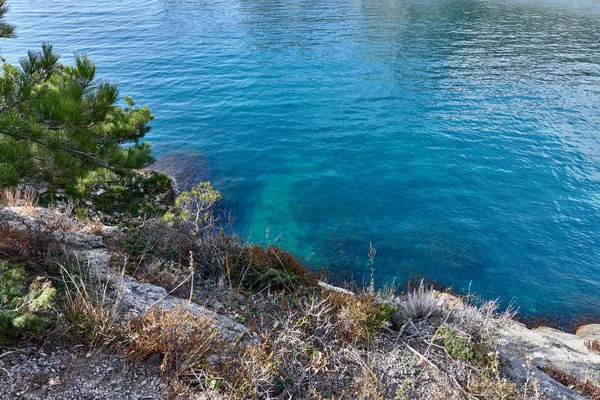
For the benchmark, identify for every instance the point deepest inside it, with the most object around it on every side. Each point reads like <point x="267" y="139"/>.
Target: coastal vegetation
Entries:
<point x="61" y="128"/>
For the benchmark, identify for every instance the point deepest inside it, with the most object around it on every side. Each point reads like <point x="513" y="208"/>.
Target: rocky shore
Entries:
<point x="56" y="370"/>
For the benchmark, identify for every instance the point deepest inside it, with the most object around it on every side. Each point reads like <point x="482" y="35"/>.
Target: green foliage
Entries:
<point x="195" y="208"/>
<point x="116" y="198"/>
<point x="457" y="346"/>
<point x="204" y="192"/>
<point x="465" y="347"/>
<point x="58" y="123"/>
<point x="256" y="268"/>
<point x="23" y="313"/>
<point x="6" y="30"/>
<point x="359" y="316"/>
<point x="381" y="314"/>
<point x="189" y="227"/>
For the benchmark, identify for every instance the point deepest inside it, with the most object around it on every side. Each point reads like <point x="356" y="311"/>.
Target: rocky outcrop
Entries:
<point x="589" y="332"/>
<point x="548" y="347"/>
<point x="524" y="351"/>
<point x="90" y="251"/>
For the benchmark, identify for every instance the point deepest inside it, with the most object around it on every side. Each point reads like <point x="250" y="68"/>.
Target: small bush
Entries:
<point x="458" y="346"/>
<point x="257" y="268"/>
<point x="479" y="323"/>
<point x="359" y="317"/>
<point x="117" y="198"/>
<point x="488" y="383"/>
<point x="23" y="314"/>
<point x="90" y="315"/>
<point x="190" y="228"/>
<point x="183" y="340"/>
<point x="584" y="386"/>
<point x="194" y="352"/>
<point x="420" y="302"/>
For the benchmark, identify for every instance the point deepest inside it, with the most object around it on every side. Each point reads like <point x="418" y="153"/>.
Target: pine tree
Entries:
<point x="58" y="123"/>
<point x="6" y="30"/>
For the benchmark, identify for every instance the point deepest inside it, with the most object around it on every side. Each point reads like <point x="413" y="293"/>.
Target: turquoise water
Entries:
<point x="461" y="137"/>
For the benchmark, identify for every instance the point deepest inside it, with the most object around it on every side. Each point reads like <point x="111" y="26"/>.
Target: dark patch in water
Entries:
<point x="187" y="169"/>
<point x="562" y="322"/>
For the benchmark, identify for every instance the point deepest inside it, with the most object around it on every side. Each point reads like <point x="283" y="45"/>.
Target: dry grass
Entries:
<point x="420" y="302"/>
<point x="184" y="340"/>
<point x="488" y="383"/>
<point x="478" y="322"/>
<point x="193" y="352"/>
<point x="593" y="345"/>
<point x="95" y="227"/>
<point x="367" y="382"/>
<point x="359" y="317"/>
<point x="92" y="310"/>
<point x="22" y="196"/>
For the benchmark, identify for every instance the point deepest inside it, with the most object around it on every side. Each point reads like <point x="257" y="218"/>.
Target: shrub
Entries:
<point x="257" y="268"/>
<point x="457" y="345"/>
<point x="189" y="228"/>
<point x="193" y="352"/>
<point x="116" y="198"/>
<point x="359" y="317"/>
<point x="420" y="302"/>
<point x="183" y="340"/>
<point x="195" y="209"/>
<point x="26" y="313"/>
<point x="584" y="386"/>
<point x="480" y="322"/>
<point x="488" y="383"/>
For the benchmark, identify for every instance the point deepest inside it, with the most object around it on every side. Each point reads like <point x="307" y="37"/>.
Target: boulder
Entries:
<point x="547" y="347"/>
<point x="589" y="332"/>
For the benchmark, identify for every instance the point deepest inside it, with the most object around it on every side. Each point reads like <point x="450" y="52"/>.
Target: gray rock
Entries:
<point x="589" y="332"/>
<point x="547" y="347"/>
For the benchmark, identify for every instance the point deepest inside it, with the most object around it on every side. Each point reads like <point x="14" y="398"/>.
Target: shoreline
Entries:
<point x="183" y="178"/>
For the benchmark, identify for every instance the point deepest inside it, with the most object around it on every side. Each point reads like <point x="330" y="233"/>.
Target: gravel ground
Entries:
<point x="61" y="373"/>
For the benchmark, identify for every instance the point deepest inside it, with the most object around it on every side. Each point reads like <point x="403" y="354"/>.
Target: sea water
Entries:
<point x="460" y="137"/>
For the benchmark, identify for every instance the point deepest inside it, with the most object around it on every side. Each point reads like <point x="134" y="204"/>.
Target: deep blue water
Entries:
<point x="461" y="137"/>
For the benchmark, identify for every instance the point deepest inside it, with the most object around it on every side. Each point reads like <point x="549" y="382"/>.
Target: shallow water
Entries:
<point x="461" y="137"/>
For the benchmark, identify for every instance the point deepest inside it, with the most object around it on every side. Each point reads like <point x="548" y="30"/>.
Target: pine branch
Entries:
<point x="66" y="149"/>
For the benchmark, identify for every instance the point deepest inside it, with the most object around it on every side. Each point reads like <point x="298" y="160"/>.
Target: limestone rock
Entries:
<point x="589" y="332"/>
<point x="448" y="301"/>
<point x="547" y="347"/>
<point x="330" y="288"/>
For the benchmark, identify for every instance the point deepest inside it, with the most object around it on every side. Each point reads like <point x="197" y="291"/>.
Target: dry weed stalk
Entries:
<point x="420" y="302"/>
<point x="367" y="382"/>
<point x="22" y="196"/>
